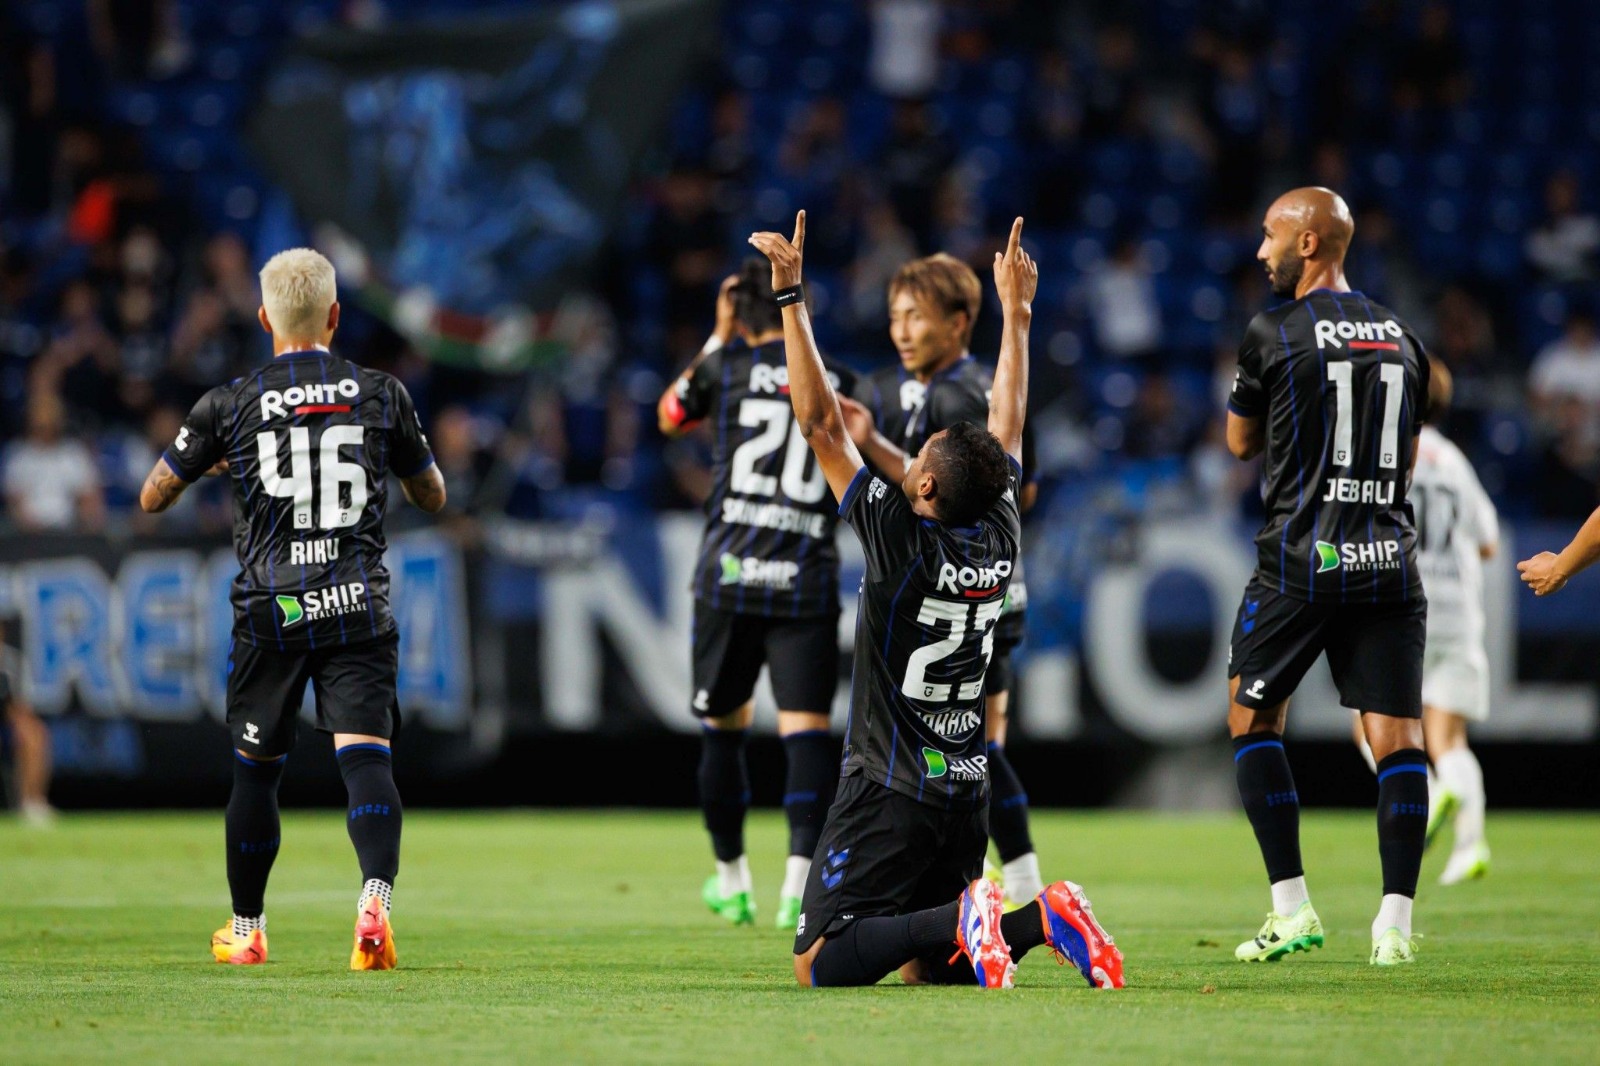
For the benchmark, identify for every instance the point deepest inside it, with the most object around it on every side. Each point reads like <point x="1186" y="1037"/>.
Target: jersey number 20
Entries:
<point x="336" y="512"/>
<point x="775" y="417"/>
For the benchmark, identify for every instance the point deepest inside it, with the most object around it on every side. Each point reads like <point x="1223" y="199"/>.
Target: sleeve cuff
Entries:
<point x="854" y="489"/>
<point x="1242" y="412"/>
<point x="177" y="467"/>
<point x="1016" y="467"/>
<point x="426" y="462"/>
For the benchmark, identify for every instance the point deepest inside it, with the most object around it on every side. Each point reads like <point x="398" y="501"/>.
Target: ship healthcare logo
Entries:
<point x="1358" y="558"/>
<point x="974" y="769"/>
<point x="323" y="603"/>
<point x="758" y="573"/>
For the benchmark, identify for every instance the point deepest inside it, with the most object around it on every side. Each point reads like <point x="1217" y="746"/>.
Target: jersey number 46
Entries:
<point x="342" y="486"/>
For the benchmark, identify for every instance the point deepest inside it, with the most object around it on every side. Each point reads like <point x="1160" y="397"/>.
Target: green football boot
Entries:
<point x="1444" y="808"/>
<point x="1392" y="949"/>
<point x="738" y="908"/>
<point x="788" y="912"/>
<point x="1466" y="864"/>
<point x="1281" y="936"/>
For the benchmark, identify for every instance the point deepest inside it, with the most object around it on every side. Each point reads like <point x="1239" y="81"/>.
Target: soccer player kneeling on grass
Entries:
<point x="309" y="442"/>
<point x="897" y="882"/>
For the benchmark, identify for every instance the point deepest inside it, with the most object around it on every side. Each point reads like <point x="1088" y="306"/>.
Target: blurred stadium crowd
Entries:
<point x="1139" y="140"/>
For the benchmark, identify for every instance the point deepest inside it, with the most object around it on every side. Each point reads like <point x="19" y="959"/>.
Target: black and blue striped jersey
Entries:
<point x="310" y="440"/>
<point x="1340" y="382"/>
<point x="768" y="547"/>
<point x="929" y="603"/>
<point x="908" y="412"/>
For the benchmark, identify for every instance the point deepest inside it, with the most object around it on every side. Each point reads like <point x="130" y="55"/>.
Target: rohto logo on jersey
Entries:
<point x="973" y="582"/>
<point x="323" y="603"/>
<point x="309" y="399"/>
<point x="1359" y="334"/>
<point x="1358" y="558"/>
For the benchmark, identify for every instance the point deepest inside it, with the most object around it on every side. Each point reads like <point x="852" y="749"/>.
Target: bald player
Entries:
<point x="1329" y="391"/>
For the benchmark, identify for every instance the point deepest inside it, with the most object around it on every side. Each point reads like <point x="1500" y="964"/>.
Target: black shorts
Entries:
<point x="882" y="853"/>
<point x="1008" y="633"/>
<point x="1374" y="650"/>
<point x="801" y="655"/>
<point x="354" y="684"/>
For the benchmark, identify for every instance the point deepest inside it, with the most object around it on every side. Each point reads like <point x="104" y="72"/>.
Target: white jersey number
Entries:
<point x="978" y="617"/>
<point x="1393" y="376"/>
<point x="775" y="419"/>
<point x="339" y="507"/>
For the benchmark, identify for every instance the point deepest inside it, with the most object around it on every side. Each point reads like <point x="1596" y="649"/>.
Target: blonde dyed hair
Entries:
<point x="297" y="289"/>
<point x="943" y="281"/>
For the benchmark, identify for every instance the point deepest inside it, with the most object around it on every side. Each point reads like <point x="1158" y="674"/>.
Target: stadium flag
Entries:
<point x="463" y="174"/>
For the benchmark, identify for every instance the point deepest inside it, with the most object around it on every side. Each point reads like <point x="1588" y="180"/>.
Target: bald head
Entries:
<point x="1308" y="228"/>
<point x="1320" y="211"/>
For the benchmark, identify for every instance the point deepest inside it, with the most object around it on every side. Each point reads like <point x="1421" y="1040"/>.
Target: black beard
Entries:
<point x="1286" y="278"/>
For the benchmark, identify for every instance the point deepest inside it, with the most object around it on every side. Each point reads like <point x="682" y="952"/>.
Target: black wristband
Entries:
<point x="792" y="295"/>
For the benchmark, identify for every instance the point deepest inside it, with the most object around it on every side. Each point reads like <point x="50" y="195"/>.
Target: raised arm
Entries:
<point x="1016" y="278"/>
<point x="816" y="405"/>
<point x="673" y="417"/>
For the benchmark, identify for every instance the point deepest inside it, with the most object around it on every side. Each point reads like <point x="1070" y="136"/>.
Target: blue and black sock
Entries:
<point x="1267" y="788"/>
<point x="251" y="830"/>
<point x="374" y="822"/>
<point x="869" y="949"/>
<point x="1008" y="807"/>
<point x="810" y="780"/>
<point x="1402" y="818"/>
<point x="724" y="790"/>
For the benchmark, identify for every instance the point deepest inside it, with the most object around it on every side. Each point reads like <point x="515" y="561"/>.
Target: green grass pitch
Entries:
<point x="554" y="937"/>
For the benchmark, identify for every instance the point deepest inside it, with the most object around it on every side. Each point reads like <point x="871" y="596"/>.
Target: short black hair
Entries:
<point x="971" y="471"/>
<point x="753" y="302"/>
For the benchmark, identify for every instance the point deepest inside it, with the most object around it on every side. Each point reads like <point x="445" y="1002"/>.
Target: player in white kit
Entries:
<point x="1457" y="529"/>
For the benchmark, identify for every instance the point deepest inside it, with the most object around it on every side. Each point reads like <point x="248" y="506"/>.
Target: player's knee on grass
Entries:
<point x="804" y="961"/>
<point x="938" y="970"/>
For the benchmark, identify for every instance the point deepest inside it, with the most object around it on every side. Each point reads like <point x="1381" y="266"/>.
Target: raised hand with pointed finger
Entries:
<point x="784" y="253"/>
<point x="1016" y="275"/>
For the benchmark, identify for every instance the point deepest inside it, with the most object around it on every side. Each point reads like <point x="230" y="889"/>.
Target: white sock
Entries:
<point x="243" y="926"/>
<point x="375" y="887"/>
<point x="795" y="871"/>
<point x="1393" y="913"/>
<point x="733" y="877"/>
<point x="1287" y="895"/>
<point x="1023" y="882"/>
<point x="1460" y="773"/>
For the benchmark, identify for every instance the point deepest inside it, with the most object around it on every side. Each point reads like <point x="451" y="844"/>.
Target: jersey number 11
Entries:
<point x="1393" y="376"/>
